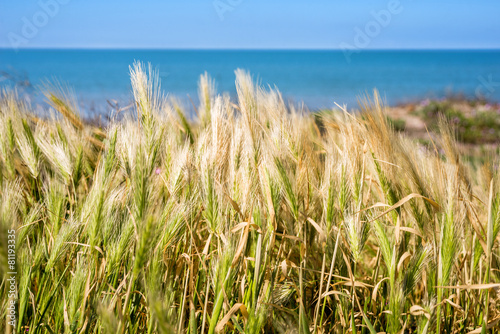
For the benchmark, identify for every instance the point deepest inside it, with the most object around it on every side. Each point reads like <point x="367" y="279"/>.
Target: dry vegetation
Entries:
<point x="252" y="218"/>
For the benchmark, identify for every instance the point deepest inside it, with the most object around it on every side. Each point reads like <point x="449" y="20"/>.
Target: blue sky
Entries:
<point x="236" y="24"/>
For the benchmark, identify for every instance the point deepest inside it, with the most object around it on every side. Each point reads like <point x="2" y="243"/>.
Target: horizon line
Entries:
<point x="82" y="48"/>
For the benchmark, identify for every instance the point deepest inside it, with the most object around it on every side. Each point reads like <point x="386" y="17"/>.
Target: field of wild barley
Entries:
<point x="249" y="217"/>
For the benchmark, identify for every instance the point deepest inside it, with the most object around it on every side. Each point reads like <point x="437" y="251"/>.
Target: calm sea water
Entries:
<point x="317" y="78"/>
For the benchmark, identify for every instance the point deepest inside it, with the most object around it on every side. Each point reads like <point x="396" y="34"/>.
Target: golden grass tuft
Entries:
<point x="254" y="217"/>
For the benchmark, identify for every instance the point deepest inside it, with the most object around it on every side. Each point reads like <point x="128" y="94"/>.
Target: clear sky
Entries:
<point x="324" y="24"/>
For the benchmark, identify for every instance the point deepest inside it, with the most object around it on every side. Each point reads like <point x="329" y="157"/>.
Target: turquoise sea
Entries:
<point x="317" y="78"/>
